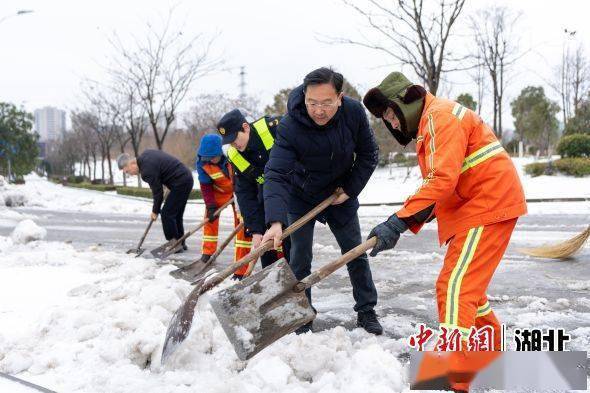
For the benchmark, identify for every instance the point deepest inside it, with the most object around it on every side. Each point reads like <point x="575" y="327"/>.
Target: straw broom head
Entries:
<point x="562" y="250"/>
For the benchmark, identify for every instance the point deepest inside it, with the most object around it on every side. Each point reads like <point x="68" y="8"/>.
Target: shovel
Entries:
<point x="182" y="319"/>
<point x="138" y="251"/>
<point x="171" y="246"/>
<point x="270" y="304"/>
<point x="196" y="270"/>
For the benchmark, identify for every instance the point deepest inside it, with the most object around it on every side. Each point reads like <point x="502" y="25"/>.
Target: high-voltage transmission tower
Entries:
<point x="242" y="82"/>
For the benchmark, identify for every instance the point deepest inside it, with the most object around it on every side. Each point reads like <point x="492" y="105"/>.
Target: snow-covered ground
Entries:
<point x="94" y="321"/>
<point x="83" y="318"/>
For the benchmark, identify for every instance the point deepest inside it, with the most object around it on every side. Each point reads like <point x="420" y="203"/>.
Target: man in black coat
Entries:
<point x="160" y="169"/>
<point x="324" y="143"/>
<point x="249" y="150"/>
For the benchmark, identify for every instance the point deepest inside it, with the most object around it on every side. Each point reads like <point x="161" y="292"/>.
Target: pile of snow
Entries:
<point x="27" y="231"/>
<point x="10" y="217"/>
<point x="97" y="320"/>
<point x="14" y="198"/>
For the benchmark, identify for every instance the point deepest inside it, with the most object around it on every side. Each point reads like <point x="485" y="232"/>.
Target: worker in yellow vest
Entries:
<point x="250" y="145"/>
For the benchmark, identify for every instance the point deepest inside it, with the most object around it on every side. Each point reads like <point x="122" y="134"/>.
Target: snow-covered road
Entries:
<point x="79" y="315"/>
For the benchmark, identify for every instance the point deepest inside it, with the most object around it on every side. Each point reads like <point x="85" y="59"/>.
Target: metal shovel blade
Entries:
<point x="261" y="309"/>
<point x="164" y="250"/>
<point x="192" y="272"/>
<point x="136" y="251"/>
<point x="181" y="322"/>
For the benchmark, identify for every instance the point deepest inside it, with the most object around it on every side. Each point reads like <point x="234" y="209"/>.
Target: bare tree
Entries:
<point x="497" y="49"/>
<point x="104" y="116"/>
<point x="164" y="65"/>
<point x="573" y="78"/>
<point x="412" y="33"/>
<point x="82" y="126"/>
<point x="478" y="76"/>
<point x="580" y="77"/>
<point x="207" y="109"/>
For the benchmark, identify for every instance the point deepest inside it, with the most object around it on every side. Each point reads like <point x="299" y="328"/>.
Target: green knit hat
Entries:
<point x="392" y="92"/>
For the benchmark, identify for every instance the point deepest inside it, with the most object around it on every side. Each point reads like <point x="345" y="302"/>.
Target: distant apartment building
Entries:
<point x="50" y="123"/>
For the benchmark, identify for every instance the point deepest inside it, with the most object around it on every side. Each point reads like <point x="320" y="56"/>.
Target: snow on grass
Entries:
<point x="95" y="321"/>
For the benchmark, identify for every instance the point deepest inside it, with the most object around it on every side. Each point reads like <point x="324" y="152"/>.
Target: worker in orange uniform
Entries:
<point x="469" y="184"/>
<point x="215" y="178"/>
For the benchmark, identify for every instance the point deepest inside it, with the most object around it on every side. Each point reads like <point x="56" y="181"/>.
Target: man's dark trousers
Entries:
<point x="173" y="210"/>
<point x="348" y="237"/>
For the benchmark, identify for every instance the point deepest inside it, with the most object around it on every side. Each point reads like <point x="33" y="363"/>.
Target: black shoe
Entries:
<point x="368" y="321"/>
<point x="236" y="277"/>
<point x="304" y="329"/>
<point x="205" y="258"/>
<point x="184" y="247"/>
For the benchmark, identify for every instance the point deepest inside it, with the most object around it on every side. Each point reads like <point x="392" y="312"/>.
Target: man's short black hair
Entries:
<point x="324" y="75"/>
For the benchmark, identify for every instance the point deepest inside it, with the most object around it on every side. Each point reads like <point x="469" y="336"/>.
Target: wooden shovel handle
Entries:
<point x="201" y="224"/>
<point x="147" y="229"/>
<point x="267" y="245"/>
<point x="225" y="243"/>
<point x="331" y="267"/>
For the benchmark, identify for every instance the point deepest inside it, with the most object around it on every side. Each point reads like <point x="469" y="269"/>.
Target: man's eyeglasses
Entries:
<point x="318" y="105"/>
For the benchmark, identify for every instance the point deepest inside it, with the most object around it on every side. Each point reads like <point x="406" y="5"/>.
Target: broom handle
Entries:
<point x="267" y="245"/>
<point x="331" y="267"/>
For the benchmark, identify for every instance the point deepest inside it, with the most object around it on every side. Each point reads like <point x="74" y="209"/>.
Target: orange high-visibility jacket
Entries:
<point x="221" y="182"/>
<point x="468" y="176"/>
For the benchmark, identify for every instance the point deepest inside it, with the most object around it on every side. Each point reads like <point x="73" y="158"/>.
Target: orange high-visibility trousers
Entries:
<point x="242" y="243"/>
<point x="470" y="263"/>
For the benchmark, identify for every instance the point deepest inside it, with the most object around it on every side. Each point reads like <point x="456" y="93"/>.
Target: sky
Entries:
<point x="47" y="53"/>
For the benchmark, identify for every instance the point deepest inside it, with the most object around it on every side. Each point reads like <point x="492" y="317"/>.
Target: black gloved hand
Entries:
<point x="211" y="209"/>
<point x="388" y="234"/>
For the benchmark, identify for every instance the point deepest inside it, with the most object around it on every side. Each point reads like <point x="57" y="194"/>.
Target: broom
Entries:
<point x="562" y="250"/>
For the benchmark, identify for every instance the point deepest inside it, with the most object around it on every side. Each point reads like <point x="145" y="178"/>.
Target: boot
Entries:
<point x="184" y="247"/>
<point x="205" y="258"/>
<point x="237" y="277"/>
<point x="368" y="321"/>
<point x="305" y="328"/>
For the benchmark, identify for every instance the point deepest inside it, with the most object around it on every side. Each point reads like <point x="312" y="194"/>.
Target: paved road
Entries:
<point x="524" y="291"/>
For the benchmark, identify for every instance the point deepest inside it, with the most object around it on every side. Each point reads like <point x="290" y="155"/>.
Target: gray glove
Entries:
<point x="388" y="234"/>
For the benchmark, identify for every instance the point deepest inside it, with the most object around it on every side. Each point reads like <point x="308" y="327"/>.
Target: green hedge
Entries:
<point x="577" y="167"/>
<point x="399" y="158"/>
<point x="576" y="145"/>
<point x="535" y="169"/>
<point x="95" y="187"/>
<point x="131" y="191"/>
<point x="78" y="179"/>
<point x="147" y="193"/>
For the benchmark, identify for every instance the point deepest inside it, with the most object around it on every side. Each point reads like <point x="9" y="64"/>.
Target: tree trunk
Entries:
<point x="102" y="167"/>
<point x="111" y="180"/>
<point x="135" y="145"/>
<point x="500" y="118"/>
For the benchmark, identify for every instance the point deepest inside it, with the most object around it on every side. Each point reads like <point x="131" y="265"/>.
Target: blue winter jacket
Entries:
<point x="316" y="160"/>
